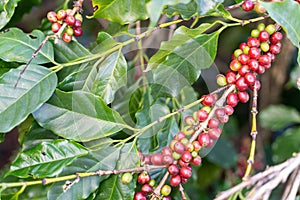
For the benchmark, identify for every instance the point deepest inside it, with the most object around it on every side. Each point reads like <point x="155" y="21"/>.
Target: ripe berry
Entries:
<point x="248" y="5"/>
<point x="126" y="178"/>
<point x="275" y="49"/>
<point x="139" y="196"/>
<point x="179" y="147"/>
<point x="213" y="123"/>
<point x="243" y="70"/>
<point x="147" y="159"/>
<point x="208" y="100"/>
<point x="143" y="178"/>
<point x="261" y="69"/>
<point x="78" y="31"/>
<point x="219" y="112"/>
<point x="253" y="64"/>
<point x="214" y="133"/>
<point x="166" y="198"/>
<point x="182" y="163"/>
<point x="203" y="139"/>
<point x="264" y="60"/>
<point x="196" y="145"/>
<point x="228" y="110"/>
<point x="241" y="84"/>
<point x="221" y="80"/>
<point x="250" y="78"/>
<point x="185" y="172"/>
<point x="61" y="14"/>
<point x="179" y="136"/>
<point x="230" y="77"/>
<point x="243" y="59"/>
<point x="77" y="23"/>
<point x="202" y="115"/>
<point x="263" y="36"/>
<point x="197" y="161"/>
<point x="257" y="84"/>
<point x="51" y="16"/>
<point x="55" y="27"/>
<point x="157" y="159"/>
<point x="167" y="159"/>
<point x="186" y="157"/>
<point x="70" y="20"/>
<point x="173" y="169"/>
<point x="166" y="151"/>
<point x="254" y="52"/>
<point x="224" y="119"/>
<point x="235" y="65"/>
<point x="165" y="190"/>
<point x="253" y="42"/>
<point x="66" y="37"/>
<point x="146" y="189"/>
<point x="175" y="180"/>
<point x="232" y="99"/>
<point x="243" y="96"/>
<point x="276" y="37"/>
<point x="242" y="46"/>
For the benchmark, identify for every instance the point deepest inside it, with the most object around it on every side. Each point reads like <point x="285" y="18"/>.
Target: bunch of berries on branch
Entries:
<point x="65" y="16"/>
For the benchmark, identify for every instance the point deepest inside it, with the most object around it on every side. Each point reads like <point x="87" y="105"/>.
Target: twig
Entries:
<point x="292" y="186"/>
<point x="181" y="189"/>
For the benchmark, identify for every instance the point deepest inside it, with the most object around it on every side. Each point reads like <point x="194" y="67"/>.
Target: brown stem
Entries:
<point x="181" y="189"/>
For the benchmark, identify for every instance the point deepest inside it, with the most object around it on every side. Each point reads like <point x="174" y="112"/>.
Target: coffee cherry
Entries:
<point x="196" y="145"/>
<point x="202" y="115"/>
<point x="248" y="5"/>
<point x="259" y="8"/>
<point x="70" y="20"/>
<point x="165" y="190"/>
<point x="166" y="151"/>
<point x="264" y="60"/>
<point x="185" y="172"/>
<point x="224" y="119"/>
<point x="77" y="31"/>
<point x="275" y="49"/>
<point x="208" y="100"/>
<point x="264" y="46"/>
<point x="189" y="120"/>
<point x="143" y="178"/>
<point x="146" y="189"/>
<point x="257" y="84"/>
<point x="176" y="156"/>
<point x="189" y="147"/>
<point x="167" y="159"/>
<point x="157" y="159"/>
<point x="179" y="136"/>
<point x="126" y="178"/>
<point x="51" y="16"/>
<point x="77" y="23"/>
<point x="66" y="38"/>
<point x="147" y="159"/>
<point x="272" y="57"/>
<point x="78" y="16"/>
<point x="186" y="157"/>
<point x="261" y="27"/>
<point x="254" y="53"/>
<point x="246" y="50"/>
<point x="139" y="196"/>
<point x="253" y="64"/>
<point x="213" y="123"/>
<point x="197" y="161"/>
<point x="237" y="52"/>
<point x="188" y="130"/>
<point x="253" y="42"/>
<point x="182" y="163"/>
<point x="270" y="29"/>
<point x="243" y="59"/>
<point x="235" y="65"/>
<point x="276" y="37"/>
<point x="260" y="70"/>
<point x="203" y="139"/>
<point x="230" y="77"/>
<point x="243" y="70"/>
<point x="179" y="147"/>
<point x="241" y="84"/>
<point x="243" y="96"/>
<point x="173" y="169"/>
<point x="61" y="14"/>
<point x="250" y="78"/>
<point x="214" y="133"/>
<point x="70" y="31"/>
<point x="263" y="36"/>
<point x="228" y="110"/>
<point x="232" y="100"/>
<point x="175" y="180"/>
<point x="152" y="182"/>
<point x="206" y="108"/>
<point x="219" y="112"/>
<point x="194" y="153"/>
<point x="255" y="33"/>
<point x="221" y="80"/>
<point x="55" y="27"/>
<point x="166" y="198"/>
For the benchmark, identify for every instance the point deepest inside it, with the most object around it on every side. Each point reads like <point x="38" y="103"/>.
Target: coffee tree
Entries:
<point x="120" y="118"/>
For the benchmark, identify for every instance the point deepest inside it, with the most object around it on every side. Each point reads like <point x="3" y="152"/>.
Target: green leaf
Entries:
<point x="7" y="9"/>
<point x="285" y="145"/>
<point x="276" y="117"/>
<point x="155" y="8"/>
<point x="17" y="46"/>
<point x="34" y="88"/>
<point x="113" y="188"/>
<point x="82" y="189"/>
<point x="205" y="6"/>
<point x="186" y="10"/>
<point x="85" y="116"/>
<point x="286" y="13"/>
<point x="6" y="66"/>
<point x="183" y="66"/>
<point x="47" y="159"/>
<point x="120" y="11"/>
<point x="223" y="154"/>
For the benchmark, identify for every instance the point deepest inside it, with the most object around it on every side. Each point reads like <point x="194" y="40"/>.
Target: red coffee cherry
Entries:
<point x="253" y="42"/>
<point x="77" y="31"/>
<point x="243" y="70"/>
<point x="51" y="16"/>
<point x="230" y="77"/>
<point x="275" y="49"/>
<point x="197" y="161"/>
<point x="196" y="145"/>
<point x="143" y="178"/>
<point x="235" y="65"/>
<point x="186" y="156"/>
<point x="214" y="133"/>
<point x="157" y="159"/>
<point x="263" y="36"/>
<point x="55" y="27"/>
<point x="166" y="151"/>
<point x="179" y="147"/>
<point x="232" y="99"/>
<point x="139" y="196"/>
<point x="253" y="64"/>
<point x="243" y="59"/>
<point x="208" y="100"/>
<point x="146" y="189"/>
<point x="70" y="20"/>
<point x="185" y="172"/>
<point x="276" y="37"/>
<point x="167" y="159"/>
<point x="248" y="5"/>
<point x="213" y="123"/>
<point x="202" y="115"/>
<point x="175" y="180"/>
<point x="173" y="169"/>
<point x="243" y="96"/>
<point x="66" y="38"/>
<point x="254" y="52"/>
<point x="241" y="84"/>
<point x="203" y="139"/>
<point x="61" y="14"/>
<point x="250" y="78"/>
<point x="228" y="110"/>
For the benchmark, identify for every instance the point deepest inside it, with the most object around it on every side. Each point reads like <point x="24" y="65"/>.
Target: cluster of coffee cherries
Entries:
<point x="73" y="23"/>
<point x="249" y="5"/>
<point x="250" y="59"/>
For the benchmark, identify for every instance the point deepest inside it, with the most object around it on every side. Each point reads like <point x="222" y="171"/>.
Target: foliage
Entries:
<point x="83" y="110"/>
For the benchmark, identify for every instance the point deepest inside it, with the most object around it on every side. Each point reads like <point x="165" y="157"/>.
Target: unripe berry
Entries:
<point x="221" y="80"/>
<point x="196" y="145"/>
<point x="189" y="120"/>
<point x="261" y="27"/>
<point x="70" y="31"/>
<point x="206" y="108"/>
<point x="78" y="16"/>
<point x="126" y="178"/>
<point x="232" y="99"/>
<point x="237" y="52"/>
<point x="264" y="46"/>
<point x="165" y="190"/>
<point x="175" y="180"/>
<point x="255" y="33"/>
<point x="235" y="65"/>
<point x="270" y="29"/>
<point x="51" y="16"/>
<point x="203" y="139"/>
<point x="184" y="141"/>
<point x="152" y="182"/>
<point x="61" y="14"/>
<point x="259" y="8"/>
<point x="188" y="130"/>
<point x="176" y="156"/>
